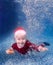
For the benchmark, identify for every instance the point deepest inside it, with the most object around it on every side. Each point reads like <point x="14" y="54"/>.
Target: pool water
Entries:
<point x="36" y="16"/>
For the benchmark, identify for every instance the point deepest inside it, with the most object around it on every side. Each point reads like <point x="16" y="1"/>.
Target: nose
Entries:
<point x="21" y="41"/>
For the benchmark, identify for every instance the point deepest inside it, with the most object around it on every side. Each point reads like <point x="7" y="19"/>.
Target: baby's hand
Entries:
<point x="10" y="51"/>
<point x="42" y="49"/>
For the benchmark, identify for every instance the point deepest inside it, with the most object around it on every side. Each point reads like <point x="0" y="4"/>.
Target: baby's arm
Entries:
<point x="42" y="49"/>
<point x="39" y="48"/>
<point x="42" y="46"/>
<point x="10" y="51"/>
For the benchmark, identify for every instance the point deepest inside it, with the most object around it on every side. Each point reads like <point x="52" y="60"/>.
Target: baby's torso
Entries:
<point x="22" y="50"/>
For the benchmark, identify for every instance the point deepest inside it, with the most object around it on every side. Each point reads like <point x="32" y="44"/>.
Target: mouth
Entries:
<point x="20" y="45"/>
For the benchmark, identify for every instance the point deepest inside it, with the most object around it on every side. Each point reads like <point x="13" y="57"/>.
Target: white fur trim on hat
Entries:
<point x="20" y="32"/>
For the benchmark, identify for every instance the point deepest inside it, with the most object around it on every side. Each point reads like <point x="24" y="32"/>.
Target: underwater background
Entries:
<point x="36" y="16"/>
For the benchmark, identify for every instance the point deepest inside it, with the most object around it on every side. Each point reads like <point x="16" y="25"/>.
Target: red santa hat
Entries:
<point x="19" y="30"/>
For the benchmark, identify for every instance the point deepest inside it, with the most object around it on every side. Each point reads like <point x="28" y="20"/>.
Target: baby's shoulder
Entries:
<point x="28" y="43"/>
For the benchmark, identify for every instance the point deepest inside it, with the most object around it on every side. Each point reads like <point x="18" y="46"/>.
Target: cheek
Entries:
<point x="24" y="41"/>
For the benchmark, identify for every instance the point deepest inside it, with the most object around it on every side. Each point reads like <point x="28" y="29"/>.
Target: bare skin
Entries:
<point x="10" y="51"/>
<point x="42" y="49"/>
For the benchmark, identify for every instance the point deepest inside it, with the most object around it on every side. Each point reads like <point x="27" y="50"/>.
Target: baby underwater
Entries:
<point x="23" y="45"/>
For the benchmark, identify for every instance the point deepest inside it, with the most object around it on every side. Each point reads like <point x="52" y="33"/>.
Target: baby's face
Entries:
<point x="20" y="40"/>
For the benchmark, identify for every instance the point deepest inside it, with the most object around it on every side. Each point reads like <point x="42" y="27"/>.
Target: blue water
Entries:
<point x="36" y="16"/>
